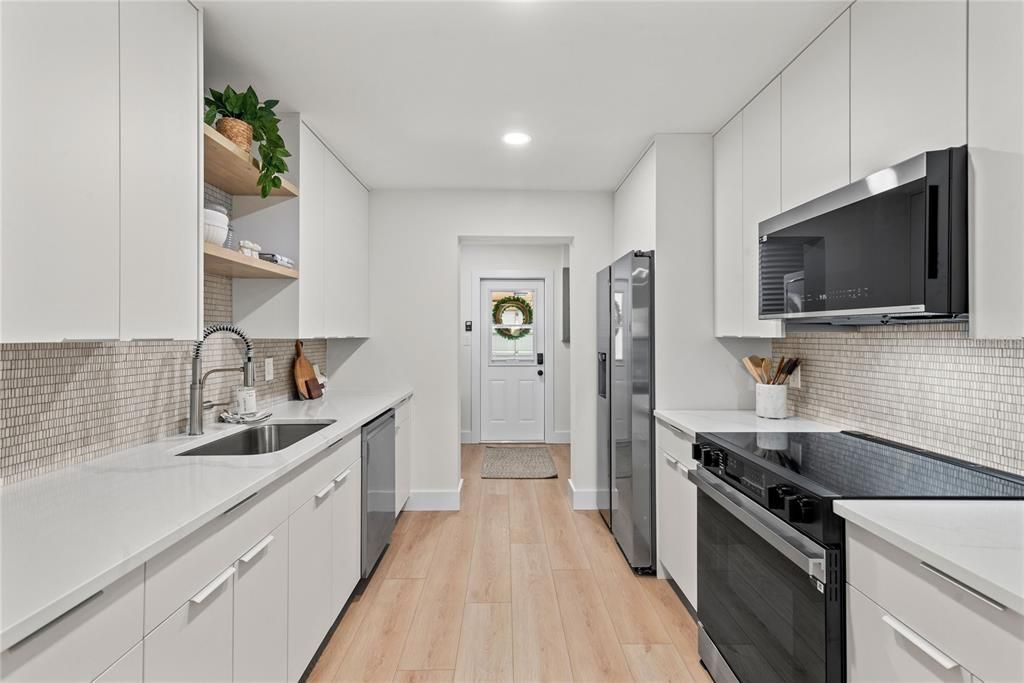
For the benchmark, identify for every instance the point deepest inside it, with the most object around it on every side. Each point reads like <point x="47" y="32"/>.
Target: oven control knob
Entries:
<point x="714" y="458"/>
<point x="802" y="510"/>
<point x="777" y="496"/>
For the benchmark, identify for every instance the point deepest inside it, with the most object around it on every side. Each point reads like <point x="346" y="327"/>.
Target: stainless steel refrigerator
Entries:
<point x="625" y="401"/>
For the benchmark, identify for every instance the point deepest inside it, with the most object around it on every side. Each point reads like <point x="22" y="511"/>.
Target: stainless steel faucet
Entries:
<point x="195" y="392"/>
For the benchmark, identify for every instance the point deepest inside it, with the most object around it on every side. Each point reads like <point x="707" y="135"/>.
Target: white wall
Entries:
<point x="635" y="208"/>
<point x="483" y="257"/>
<point x="415" y="330"/>
<point x="666" y="204"/>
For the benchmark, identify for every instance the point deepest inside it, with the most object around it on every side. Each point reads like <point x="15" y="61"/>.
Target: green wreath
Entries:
<point x="521" y="305"/>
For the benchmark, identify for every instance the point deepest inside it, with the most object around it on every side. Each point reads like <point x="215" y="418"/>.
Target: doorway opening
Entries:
<point x="514" y="381"/>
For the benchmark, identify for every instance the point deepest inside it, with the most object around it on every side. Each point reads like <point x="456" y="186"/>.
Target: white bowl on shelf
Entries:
<point x="215" y="234"/>
<point x="212" y="217"/>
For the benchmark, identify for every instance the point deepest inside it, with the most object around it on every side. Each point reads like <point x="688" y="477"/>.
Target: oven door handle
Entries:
<point x="793" y="545"/>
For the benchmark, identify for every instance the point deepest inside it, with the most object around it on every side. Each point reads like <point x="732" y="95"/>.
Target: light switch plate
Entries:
<point x="794" y="379"/>
<point x="268" y="369"/>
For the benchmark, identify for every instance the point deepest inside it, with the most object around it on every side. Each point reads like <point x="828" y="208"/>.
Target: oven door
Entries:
<point x="766" y="601"/>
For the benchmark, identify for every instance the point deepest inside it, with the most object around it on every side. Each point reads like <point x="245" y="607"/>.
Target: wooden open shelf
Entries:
<point x="221" y="261"/>
<point x="232" y="169"/>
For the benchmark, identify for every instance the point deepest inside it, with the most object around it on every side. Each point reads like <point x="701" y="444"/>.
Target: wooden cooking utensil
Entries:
<point x="754" y="370"/>
<point x="766" y="369"/>
<point x="303" y="371"/>
<point x="778" y="370"/>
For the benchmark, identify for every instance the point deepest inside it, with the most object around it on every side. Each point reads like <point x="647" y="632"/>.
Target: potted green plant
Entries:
<point x="243" y="119"/>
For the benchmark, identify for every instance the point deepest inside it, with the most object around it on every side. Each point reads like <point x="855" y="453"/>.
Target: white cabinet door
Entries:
<point x="995" y="136"/>
<point x="128" y="669"/>
<point x="686" y="569"/>
<point x="346" y="252"/>
<point x="311" y="234"/>
<point x="194" y="643"/>
<point x="59" y="270"/>
<point x="668" y="513"/>
<point x="728" y="236"/>
<point x="261" y="610"/>
<point x="310" y="608"/>
<point x="403" y="458"/>
<point x="908" y="80"/>
<point x="761" y="196"/>
<point x="882" y="649"/>
<point x="816" y="117"/>
<point x="160" y="116"/>
<point x="346" y="528"/>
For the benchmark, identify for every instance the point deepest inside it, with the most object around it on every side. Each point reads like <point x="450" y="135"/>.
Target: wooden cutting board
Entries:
<point x="303" y="371"/>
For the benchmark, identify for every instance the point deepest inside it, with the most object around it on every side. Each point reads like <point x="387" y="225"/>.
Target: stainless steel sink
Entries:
<point x="262" y="439"/>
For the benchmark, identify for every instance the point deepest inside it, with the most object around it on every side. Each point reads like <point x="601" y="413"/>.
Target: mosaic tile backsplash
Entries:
<point x="65" y="403"/>
<point x="926" y="385"/>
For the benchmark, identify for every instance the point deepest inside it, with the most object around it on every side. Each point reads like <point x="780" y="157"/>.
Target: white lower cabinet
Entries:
<point x="677" y="511"/>
<point x="128" y="669"/>
<point x="83" y="642"/>
<point x="261" y="610"/>
<point x="882" y="649"/>
<point x="310" y="609"/>
<point x="403" y="455"/>
<point x="346" y="527"/>
<point x="195" y="642"/>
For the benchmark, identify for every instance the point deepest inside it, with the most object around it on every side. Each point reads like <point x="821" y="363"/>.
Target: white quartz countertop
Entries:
<point x="978" y="542"/>
<point x="693" y="422"/>
<point x="68" y="534"/>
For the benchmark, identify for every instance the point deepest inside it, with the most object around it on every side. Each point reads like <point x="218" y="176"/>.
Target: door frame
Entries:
<point x="549" y="344"/>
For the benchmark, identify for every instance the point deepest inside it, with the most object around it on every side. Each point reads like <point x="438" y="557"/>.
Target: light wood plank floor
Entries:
<point x="514" y="587"/>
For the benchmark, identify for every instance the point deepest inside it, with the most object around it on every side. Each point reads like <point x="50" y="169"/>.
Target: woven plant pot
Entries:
<point x="236" y="130"/>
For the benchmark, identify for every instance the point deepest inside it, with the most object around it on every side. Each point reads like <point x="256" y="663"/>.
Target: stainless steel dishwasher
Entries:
<point x="378" y="489"/>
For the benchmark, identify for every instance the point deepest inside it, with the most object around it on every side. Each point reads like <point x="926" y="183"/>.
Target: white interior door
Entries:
<point x="511" y="372"/>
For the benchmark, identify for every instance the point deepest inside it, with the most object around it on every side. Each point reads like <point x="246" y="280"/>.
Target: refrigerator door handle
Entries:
<point x="602" y="374"/>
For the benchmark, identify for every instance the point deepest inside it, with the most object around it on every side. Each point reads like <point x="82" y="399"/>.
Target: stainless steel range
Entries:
<point x="770" y="556"/>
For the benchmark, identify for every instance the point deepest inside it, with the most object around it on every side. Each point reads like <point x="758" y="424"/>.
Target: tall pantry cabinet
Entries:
<point x="100" y="210"/>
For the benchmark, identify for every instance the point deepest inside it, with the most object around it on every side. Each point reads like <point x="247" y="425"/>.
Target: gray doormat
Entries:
<point x="517" y="462"/>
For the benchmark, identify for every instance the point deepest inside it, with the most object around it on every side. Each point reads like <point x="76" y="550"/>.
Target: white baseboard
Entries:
<point x="560" y="437"/>
<point x="467" y="437"/>
<point x="434" y="499"/>
<point x="582" y="499"/>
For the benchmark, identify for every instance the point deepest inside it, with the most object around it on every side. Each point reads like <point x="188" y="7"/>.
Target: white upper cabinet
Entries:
<point x="729" y="229"/>
<point x="908" y="80"/>
<point x="995" y="137"/>
<point x="160" y="128"/>
<point x="816" y="117"/>
<point x="346" y="252"/>
<point x="59" y="274"/>
<point x="101" y="201"/>
<point x="761" y="197"/>
<point x="312" y="155"/>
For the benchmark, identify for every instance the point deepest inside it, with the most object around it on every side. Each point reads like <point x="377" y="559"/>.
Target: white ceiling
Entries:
<point x="418" y="94"/>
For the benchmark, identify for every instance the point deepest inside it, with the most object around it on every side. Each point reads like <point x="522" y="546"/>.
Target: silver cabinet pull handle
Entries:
<point x="920" y="643"/>
<point x="964" y="587"/>
<point x="256" y="550"/>
<point x="343" y="476"/>
<point x="325" y="490"/>
<point x="669" y="460"/>
<point x="212" y="586"/>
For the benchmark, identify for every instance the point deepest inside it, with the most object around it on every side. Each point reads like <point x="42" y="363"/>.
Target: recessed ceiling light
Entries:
<point x="515" y="138"/>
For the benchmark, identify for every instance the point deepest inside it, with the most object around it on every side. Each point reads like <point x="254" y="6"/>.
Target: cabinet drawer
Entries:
<point x="173" y="576"/>
<point x="194" y="643"/>
<point x="322" y="469"/>
<point x="82" y="643"/>
<point x="676" y="443"/>
<point x="881" y="649"/>
<point x="982" y="638"/>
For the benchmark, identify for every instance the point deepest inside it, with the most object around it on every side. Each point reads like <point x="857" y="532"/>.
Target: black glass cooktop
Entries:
<point x="850" y="465"/>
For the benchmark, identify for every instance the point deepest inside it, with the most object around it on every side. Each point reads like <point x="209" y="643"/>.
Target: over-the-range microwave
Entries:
<point x="889" y="247"/>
